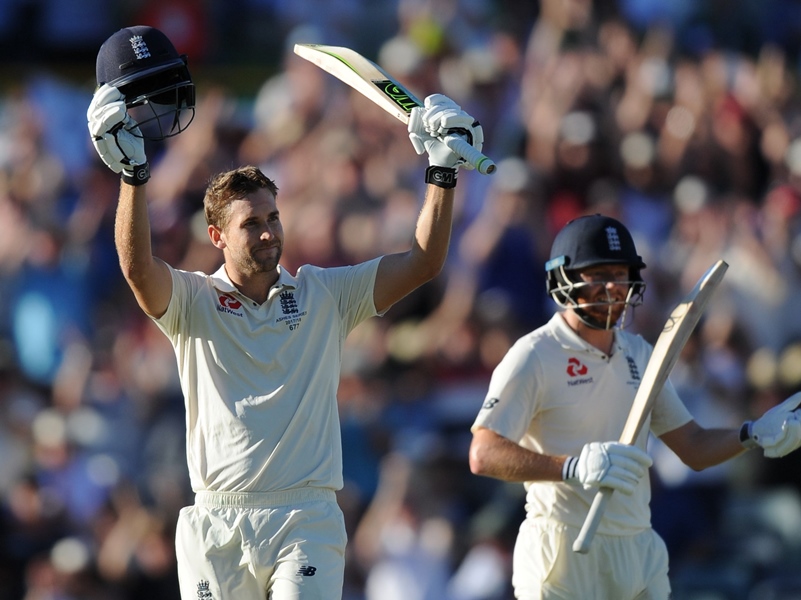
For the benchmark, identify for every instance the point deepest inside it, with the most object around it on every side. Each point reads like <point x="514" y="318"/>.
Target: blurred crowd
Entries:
<point x="682" y="119"/>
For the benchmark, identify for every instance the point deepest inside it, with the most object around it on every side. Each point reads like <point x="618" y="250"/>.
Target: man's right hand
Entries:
<point x="607" y="464"/>
<point x="116" y="136"/>
<point x="431" y="123"/>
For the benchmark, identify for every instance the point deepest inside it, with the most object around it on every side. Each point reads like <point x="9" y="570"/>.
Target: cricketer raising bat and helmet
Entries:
<point x="263" y="385"/>
<point x="674" y="336"/>
<point x="373" y="82"/>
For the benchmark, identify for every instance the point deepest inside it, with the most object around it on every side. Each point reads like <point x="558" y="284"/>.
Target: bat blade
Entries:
<point x="364" y="76"/>
<point x="680" y="324"/>
<point x="375" y="83"/>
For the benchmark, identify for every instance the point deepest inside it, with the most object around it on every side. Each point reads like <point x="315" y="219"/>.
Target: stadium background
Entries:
<point x="681" y="118"/>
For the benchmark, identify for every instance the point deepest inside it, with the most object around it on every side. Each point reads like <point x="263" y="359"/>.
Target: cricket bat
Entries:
<point x="372" y="81"/>
<point x="674" y="336"/>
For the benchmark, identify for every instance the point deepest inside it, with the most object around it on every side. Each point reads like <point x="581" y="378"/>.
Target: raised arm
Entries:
<point x="148" y="276"/>
<point x="399" y="274"/>
<point x="118" y="141"/>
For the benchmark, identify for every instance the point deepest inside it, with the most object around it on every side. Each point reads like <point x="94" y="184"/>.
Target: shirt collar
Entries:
<point x="571" y="340"/>
<point x="222" y="282"/>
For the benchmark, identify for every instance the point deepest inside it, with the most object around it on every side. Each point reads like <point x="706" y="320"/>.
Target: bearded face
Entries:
<point x="603" y="294"/>
<point x="253" y="237"/>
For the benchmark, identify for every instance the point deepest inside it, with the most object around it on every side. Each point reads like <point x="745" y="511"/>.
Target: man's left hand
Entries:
<point x="778" y="431"/>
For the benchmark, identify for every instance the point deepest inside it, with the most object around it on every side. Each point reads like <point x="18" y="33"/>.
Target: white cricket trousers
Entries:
<point x="545" y="567"/>
<point x="286" y="545"/>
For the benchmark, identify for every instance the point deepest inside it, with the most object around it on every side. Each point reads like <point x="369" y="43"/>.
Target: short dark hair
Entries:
<point x="232" y="185"/>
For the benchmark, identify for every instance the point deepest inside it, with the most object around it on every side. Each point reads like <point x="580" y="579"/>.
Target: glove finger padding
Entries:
<point x="478" y="135"/>
<point x="115" y="135"/>
<point x="423" y="141"/>
<point x="442" y="116"/>
<point x="436" y="103"/>
<point x="106" y="118"/>
<point x="417" y="131"/>
<point x="438" y="118"/>
<point x="609" y="464"/>
<point x="770" y="424"/>
<point x="629" y="456"/>
<point x="438" y="100"/>
<point x="440" y="122"/>
<point x="131" y="144"/>
<point x="105" y="95"/>
<point x="620" y="480"/>
<point x="109" y="152"/>
<point x="626" y="470"/>
<point x="120" y="148"/>
<point x="787" y="441"/>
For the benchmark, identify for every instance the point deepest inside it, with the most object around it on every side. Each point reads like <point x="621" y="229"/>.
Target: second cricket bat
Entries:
<point x="376" y="84"/>
<point x="674" y="336"/>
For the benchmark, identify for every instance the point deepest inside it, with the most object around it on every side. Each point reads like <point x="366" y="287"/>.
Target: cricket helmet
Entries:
<point x="144" y="65"/>
<point x="585" y="242"/>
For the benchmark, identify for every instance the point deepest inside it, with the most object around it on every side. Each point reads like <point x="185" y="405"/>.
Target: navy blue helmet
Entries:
<point x="585" y="242"/>
<point x="144" y="65"/>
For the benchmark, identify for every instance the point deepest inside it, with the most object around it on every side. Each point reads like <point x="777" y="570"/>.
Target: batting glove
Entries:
<point x="116" y="136"/>
<point x="438" y="118"/>
<point x="607" y="464"/>
<point x="778" y="431"/>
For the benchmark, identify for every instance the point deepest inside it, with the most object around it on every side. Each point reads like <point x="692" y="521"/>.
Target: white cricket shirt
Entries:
<point x="260" y="381"/>
<point x="553" y="392"/>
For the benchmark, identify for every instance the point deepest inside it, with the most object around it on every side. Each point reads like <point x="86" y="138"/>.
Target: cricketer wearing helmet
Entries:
<point x="559" y="398"/>
<point x="259" y="349"/>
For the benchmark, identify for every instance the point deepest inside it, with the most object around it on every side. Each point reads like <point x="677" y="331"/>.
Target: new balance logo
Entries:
<point x="203" y="592"/>
<point x="139" y="47"/>
<point x="307" y="571"/>
<point x="490" y="403"/>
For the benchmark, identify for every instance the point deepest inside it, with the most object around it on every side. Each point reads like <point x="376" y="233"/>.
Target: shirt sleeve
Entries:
<point x="669" y="412"/>
<point x="185" y="286"/>
<point x="512" y="397"/>
<point x="352" y="288"/>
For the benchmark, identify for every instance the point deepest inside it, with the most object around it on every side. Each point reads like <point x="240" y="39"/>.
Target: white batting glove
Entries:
<point x="116" y="136"/>
<point x="437" y="118"/>
<point x="607" y="464"/>
<point x="778" y="431"/>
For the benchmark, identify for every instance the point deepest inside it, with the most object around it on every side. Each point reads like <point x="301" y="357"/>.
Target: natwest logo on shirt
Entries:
<point x="578" y="372"/>
<point x="575" y="368"/>
<point x="229" y="304"/>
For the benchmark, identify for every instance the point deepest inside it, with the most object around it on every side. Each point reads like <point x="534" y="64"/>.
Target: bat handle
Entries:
<point x="593" y="519"/>
<point x="459" y="145"/>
